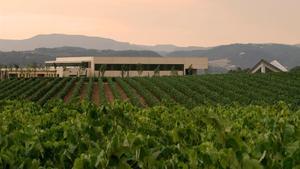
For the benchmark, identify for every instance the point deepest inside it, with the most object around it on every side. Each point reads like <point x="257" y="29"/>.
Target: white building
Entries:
<point x="263" y="67"/>
<point x="128" y="66"/>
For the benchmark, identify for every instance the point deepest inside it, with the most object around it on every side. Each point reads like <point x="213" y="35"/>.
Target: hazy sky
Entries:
<point x="181" y="22"/>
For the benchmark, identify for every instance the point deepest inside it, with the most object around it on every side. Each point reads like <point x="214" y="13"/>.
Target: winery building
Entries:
<point x="91" y="66"/>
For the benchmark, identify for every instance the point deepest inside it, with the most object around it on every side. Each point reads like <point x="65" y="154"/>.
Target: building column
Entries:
<point x="92" y="71"/>
<point x="263" y="69"/>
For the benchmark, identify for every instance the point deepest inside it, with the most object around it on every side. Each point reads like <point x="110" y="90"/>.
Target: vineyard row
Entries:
<point x="188" y="91"/>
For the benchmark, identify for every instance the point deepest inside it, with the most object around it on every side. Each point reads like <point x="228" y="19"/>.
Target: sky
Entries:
<point x="149" y="22"/>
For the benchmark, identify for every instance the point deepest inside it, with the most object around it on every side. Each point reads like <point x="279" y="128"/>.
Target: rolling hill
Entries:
<point x="88" y="42"/>
<point x="247" y="55"/>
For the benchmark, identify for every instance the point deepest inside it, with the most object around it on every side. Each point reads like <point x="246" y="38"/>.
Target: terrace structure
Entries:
<point x="26" y="72"/>
<point x="92" y="66"/>
<point x="264" y="67"/>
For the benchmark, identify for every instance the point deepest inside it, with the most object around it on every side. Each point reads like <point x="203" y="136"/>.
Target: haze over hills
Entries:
<point x="46" y="47"/>
<point x="88" y="42"/>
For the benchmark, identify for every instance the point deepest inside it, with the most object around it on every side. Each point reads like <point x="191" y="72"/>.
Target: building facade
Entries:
<point x="128" y="66"/>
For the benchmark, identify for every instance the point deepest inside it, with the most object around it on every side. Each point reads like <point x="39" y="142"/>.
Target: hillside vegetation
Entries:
<point x="40" y="55"/>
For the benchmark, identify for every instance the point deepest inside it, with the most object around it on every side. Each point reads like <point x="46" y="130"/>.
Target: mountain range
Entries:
<point x="221" y="58"/>
<point x="88" y="42"/>
<point x="247" y="55"/>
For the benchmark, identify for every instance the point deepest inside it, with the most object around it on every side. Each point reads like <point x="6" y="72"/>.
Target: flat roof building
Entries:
<point x="128" y="66"/>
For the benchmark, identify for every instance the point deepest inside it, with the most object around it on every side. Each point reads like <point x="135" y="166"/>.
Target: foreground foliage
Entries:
<point x="123" y="136"/>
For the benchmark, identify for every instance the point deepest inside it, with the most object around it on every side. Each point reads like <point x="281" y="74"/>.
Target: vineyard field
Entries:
<point x="189" y="91"/>
<point x="228" y="121"/>
<point x="81" y="135"/>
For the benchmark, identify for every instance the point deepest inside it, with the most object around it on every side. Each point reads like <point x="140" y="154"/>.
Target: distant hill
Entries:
<point x="88" y="42"/>
<point x="23" y="58"/>
<point x="221" y="58"/>
<point x="40" y="55"/>
<point x="247" y="55"/>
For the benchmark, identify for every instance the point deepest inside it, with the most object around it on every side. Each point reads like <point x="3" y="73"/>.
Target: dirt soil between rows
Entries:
<point x="83" y="91"/>
<point x="69" y="93"/>
<point x="141" y="98"/>
<point x="95" y="96"/>
<point x="108" y="93"/>
<point x="123" y="95"/>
